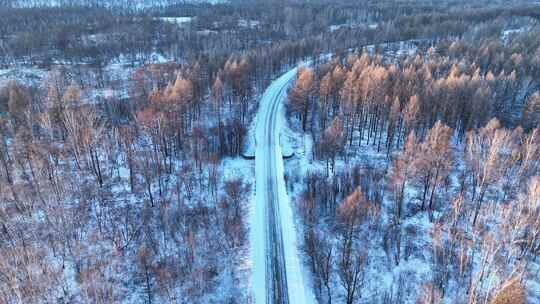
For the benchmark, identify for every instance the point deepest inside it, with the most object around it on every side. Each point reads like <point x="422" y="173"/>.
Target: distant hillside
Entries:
<point x="133" y="4"/>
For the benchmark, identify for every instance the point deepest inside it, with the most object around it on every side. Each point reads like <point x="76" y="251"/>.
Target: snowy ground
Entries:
<point x="352" y="25"/>
<point x="27" y="75"/>
<point x="244" y="169"/>
<point x="179" y="21"/>
<point x="251" y="24"/>
<point x="116" y="76"/>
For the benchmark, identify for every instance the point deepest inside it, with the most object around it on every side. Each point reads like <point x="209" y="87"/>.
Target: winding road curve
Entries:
<point x="277" y="276"/>
<point x="274" y="236"/>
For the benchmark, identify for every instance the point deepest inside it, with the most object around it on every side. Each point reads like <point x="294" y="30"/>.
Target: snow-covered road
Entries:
<point x="277" y="270"/>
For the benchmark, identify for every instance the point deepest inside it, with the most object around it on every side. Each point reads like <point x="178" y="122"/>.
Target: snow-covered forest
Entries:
<point x="409" y="136"/>
<point x="421" y="171"/>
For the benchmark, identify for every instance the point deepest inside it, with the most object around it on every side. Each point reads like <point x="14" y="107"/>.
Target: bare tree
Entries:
<point x="433" y="162"/>
<point x="511" y="292"/>
<point x="301" y="95"/>
<point x="332" y="143"/>
<point x="352" y="259"/>
<point x="531" y="112"/>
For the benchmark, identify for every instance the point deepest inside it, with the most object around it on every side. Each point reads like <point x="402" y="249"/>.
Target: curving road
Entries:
<point x="277" y="275"/>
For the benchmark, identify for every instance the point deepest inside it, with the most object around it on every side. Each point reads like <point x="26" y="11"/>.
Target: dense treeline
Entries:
<point x="458" y="126"/>
<point x="379" y="101"/>
<point x="80" y="34"/>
